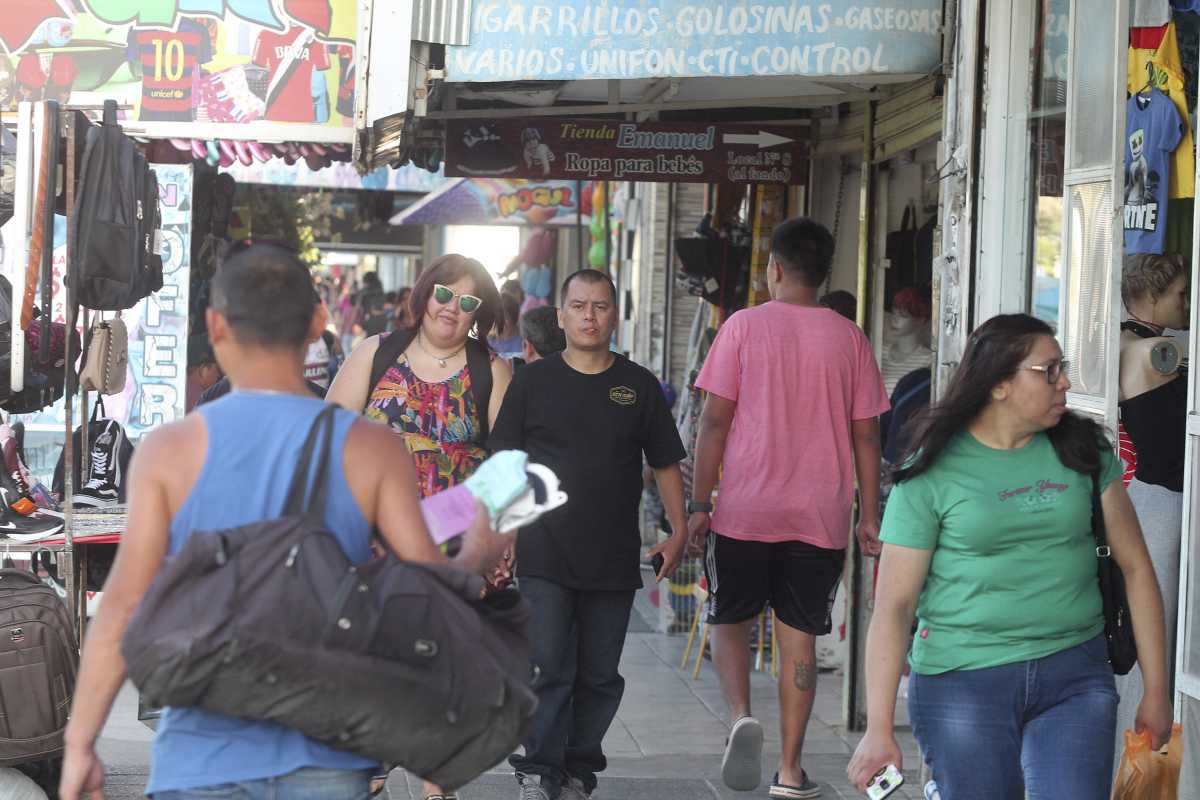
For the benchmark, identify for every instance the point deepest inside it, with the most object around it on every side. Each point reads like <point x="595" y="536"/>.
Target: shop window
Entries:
<point x="1048" y="139"/>
<point x="1086" y="335"/>
<point x="1090" y="261"/>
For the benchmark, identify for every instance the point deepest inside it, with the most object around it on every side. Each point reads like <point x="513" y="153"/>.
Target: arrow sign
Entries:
<point x="762" y="139"/>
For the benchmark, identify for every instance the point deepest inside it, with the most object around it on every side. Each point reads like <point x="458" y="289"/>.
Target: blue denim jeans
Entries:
<point x="1039" y="729"/>
<point x="577" y="641"/>
<point x="310" y="783"/>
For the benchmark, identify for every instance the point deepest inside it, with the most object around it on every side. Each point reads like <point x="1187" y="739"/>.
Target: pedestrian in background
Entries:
<point x="506" y="337"/>
<point x="540" y="334"/>
<point x="426" y="395"/>
<point x="590" y="415"/>
<point x="792" y="415"/>
<point x="988" y="539"/>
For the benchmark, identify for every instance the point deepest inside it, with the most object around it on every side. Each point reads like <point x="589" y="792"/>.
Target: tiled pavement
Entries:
<point x="667" y="740"/>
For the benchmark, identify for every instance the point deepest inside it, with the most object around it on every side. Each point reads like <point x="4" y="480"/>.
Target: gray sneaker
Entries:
<point x="532" y="788"/>
<point x="573" y="790"/>
<point x="741" y="766"/>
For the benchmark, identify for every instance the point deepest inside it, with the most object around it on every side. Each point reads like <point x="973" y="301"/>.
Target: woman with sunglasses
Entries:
<point x="426" y="395"/>
<point x="987" y="538"/>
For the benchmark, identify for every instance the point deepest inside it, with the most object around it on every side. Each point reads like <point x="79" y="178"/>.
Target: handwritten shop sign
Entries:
<point x="599" y="39"/>
<point x="588" y="149"/>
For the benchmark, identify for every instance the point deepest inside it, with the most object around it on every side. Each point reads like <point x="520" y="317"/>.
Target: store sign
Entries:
<point x="582" y="39"/>
<point x="589" y="149"/>
<point x="243" y="65"/>
<point x="158" y="329"/>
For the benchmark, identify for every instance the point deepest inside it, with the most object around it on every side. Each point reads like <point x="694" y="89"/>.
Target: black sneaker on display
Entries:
<point x="101" y="489"/>
<point x="31" y="528"/>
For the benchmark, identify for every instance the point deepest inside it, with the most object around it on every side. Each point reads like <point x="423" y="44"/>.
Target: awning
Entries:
<point x="486" y="201"/>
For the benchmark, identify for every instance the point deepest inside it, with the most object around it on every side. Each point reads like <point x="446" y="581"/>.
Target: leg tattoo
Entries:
<point x="805" y="678"/>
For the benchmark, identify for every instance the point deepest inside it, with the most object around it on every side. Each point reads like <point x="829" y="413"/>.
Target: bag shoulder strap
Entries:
<point x="391" y="347"/>
<point x="479" y="365"/>
<point x="1099" y="531"/>
<point x="913" y="392"/>
<point x="303" y="498"/>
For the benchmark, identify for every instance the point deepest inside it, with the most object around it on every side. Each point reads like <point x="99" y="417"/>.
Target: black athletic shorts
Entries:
<point x="798" y="579"/>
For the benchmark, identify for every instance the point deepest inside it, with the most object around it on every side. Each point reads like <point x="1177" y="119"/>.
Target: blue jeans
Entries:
<point x="1042" y="727"/>
<point x="577" y="641"/>
<point x="311" y="783"/>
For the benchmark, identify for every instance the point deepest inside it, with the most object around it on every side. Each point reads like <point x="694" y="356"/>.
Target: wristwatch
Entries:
<point x="696" y="507"/>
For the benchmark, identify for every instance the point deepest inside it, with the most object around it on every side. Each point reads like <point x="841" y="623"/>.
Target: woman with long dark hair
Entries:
<point x="988" y="540"/>
<point x="425" y="395"/>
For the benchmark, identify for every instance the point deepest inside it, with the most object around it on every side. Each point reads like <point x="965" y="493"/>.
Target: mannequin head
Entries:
<point x="1155" y="289"/>
<point x="910" y="313"/>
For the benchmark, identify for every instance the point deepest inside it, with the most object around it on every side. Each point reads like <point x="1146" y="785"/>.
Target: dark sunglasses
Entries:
<point x="469" y="303"/>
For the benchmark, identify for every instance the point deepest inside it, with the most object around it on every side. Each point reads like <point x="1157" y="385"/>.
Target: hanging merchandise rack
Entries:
<point x="41" y="131"/>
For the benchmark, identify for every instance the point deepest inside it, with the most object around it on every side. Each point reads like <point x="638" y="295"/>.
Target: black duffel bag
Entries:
<point x="395" y="661"/>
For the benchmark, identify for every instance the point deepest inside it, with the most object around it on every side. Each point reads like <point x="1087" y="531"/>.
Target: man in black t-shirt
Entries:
<point x="590" y="415"/>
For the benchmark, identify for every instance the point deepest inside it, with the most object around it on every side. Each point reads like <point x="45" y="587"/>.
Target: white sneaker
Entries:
<point x="532" y="788"/>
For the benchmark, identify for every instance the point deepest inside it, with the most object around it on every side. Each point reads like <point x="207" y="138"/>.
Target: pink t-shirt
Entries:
<point x="799" y="376"/>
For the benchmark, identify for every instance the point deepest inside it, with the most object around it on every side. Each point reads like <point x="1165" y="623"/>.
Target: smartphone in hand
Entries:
<point x="886" y="781"/>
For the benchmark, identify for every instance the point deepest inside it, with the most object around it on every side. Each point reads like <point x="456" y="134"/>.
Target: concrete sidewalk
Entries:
<point x="667" y="740"/>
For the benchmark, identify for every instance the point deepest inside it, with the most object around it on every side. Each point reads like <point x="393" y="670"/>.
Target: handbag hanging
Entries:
<point x="1118" y="622"/>
<point x="107" y="357"/>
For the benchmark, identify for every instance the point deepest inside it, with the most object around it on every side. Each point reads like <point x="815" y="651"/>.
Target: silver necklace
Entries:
<point x="440" y="359"/>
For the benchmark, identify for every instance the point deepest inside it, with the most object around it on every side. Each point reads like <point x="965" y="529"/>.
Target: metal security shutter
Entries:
<point x="689" y="210"/>
<point x="908" y="119"/>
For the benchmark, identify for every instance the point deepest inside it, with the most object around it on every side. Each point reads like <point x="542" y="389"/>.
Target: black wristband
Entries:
<point x="695" y="506"/>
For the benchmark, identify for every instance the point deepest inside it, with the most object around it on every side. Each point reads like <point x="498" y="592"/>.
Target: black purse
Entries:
<point x="1118" y="623"/>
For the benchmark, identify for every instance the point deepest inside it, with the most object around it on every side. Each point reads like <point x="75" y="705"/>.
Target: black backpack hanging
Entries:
<point x="114" y="230"/>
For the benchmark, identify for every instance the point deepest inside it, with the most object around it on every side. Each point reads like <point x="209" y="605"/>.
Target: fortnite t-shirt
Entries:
<point x="1153" y="129"/>
<point x="291" y="58"/>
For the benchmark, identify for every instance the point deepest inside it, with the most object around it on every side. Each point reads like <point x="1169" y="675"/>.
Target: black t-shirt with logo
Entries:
<point x="592" y="430"/>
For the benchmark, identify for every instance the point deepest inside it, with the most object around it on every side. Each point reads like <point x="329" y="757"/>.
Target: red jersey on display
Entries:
<point x="169" y="61"/>
<point x="291" y="58"/>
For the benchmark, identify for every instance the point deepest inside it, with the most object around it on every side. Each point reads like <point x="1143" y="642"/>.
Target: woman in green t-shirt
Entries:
<point x="987" y="539"/>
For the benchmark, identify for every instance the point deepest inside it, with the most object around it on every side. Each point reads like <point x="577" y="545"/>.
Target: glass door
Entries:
<point x="1090" y="280"/>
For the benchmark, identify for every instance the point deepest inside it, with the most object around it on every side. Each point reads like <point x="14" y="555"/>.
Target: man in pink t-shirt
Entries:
<point x="794" y="398"/>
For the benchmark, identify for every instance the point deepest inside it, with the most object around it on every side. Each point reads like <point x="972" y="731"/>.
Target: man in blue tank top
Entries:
<point x="226" y="466"/>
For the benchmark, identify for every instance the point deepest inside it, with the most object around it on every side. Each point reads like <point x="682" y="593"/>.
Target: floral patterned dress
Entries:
<point x="439" y="423"/>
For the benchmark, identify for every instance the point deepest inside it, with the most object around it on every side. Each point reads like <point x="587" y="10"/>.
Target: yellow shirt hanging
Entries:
<point x="1168" y="79"/>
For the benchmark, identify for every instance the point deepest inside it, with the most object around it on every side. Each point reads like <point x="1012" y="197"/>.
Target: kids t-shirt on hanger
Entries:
<point x="1153" y="129"/>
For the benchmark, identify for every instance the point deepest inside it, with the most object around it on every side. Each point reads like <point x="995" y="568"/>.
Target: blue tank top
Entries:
<point x="254" y="442"/>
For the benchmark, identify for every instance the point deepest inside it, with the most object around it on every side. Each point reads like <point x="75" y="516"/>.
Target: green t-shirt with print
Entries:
<point x="1013" y="573"/>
